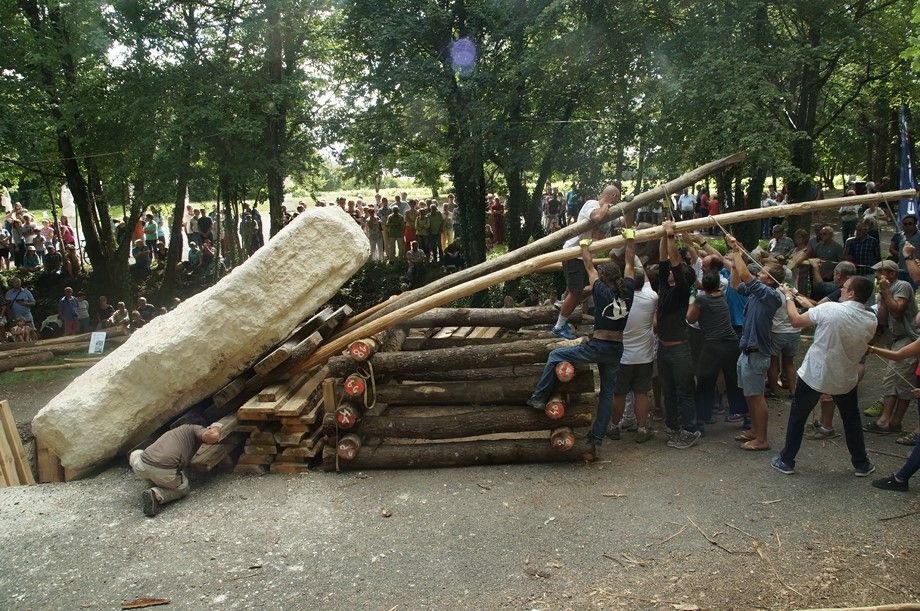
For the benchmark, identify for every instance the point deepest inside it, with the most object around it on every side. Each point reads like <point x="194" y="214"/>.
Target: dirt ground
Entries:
<point x="647" y="527"/>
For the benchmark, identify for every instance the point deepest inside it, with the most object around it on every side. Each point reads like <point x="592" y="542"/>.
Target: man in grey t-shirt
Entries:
<point x="828" y="251"/>
<point x="164" y="461"/>
<point x="898" y="312"/>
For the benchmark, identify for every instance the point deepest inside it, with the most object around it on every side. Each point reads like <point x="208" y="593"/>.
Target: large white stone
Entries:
<point x="186" y="355"/>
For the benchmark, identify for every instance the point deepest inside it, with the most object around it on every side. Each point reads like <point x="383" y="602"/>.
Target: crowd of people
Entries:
<point x="676" y="320"/>
<point x="38" y="246"/>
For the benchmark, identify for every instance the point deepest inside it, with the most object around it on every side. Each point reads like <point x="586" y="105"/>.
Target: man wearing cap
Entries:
<point x="164" y="461"/>
<point x="897" y="311"/>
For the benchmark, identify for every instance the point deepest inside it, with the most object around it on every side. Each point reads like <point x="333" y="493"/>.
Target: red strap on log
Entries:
<point x="348" y="446"/>
<point x="355" y="385"/>
<point x="562" y="439"/>
<point x="347" y="416"/>
<point x="555" y="408"/>
<point x="565" y="371"/>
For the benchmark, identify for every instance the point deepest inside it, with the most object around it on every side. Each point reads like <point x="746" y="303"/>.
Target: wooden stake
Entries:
<point x="11" y="433"/>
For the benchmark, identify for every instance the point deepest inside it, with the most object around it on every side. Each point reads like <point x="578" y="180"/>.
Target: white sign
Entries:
<point x="97" y="342"/>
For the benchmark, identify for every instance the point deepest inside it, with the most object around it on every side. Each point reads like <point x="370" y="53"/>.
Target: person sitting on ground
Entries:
<point x="105" y="312"/>
<point x="120" y="316"/>
<point x="416" y="258"/>
<point x="147" y="310"/>
<point x="452" y="256"/>
<point x="31" y="262"/>
<point x="162" y="311"/>
<point x="52" y="260"/>
<point x="164" y="461"/>
<point x="137" y="321"/>
<point x="22" y="331"/>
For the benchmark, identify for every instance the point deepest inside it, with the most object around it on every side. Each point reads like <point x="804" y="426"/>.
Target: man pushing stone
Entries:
<point x="163" y="463"/>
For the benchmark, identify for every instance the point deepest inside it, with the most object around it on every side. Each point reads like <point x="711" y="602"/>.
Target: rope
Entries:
<point x="889" y="365"/>
<point x="366" y="375"/>
<point x="744" y="251"/>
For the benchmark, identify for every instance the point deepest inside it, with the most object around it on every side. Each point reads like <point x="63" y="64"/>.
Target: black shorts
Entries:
<point x="635" y="378"/>
<point x="576" y="277"/>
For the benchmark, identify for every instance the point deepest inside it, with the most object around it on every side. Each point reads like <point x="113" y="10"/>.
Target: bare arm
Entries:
<point x="911" y="349"/>
<point x="589" y="264"/>
<point x="673" y="254"/>
<point x="740" y="272"/>
<point x="693" y="313"/>
<point x="629" y="265"/>
<point x="894" y="306"/>
<point x="799" y="321"/>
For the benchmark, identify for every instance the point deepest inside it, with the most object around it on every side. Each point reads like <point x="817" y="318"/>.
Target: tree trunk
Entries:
<point x="508" y="318"/>
<point x="174" y="252"/>
<point x="275" y="119"/>
<point x="477" y="392"/>
<point x="459" y="454"/>
<point x="485" y="421"/>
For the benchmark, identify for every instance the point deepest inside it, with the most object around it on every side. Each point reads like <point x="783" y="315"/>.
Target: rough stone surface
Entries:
<point x="186" y="355"/>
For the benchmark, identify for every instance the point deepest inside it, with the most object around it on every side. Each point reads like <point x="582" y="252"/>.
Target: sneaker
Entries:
<point x="614" y="433"/>
<point x="557" y="304"/>
<point x="564" y="332"/>
<point x="151" y="505"/>
<point x="780" y="465"/>
<point x="536" y="403"/>
<point x="644" y="435"/>
<point x="671" y="434"/>
<point x="684" y="440"/>
<point x="890" y="483"/>
<point x="821" y="432"/>
<point x="874" y="410"/>
<point x="629" y="424"/>
<point x="734" y="418"/>
<point x="866" y="469"/>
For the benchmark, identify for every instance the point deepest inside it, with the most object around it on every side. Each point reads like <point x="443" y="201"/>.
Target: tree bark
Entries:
<point x="508" y="318"/>
<point x="459" y="454"/>
<point x="472" y="424"/>
<point x="276" y="118"/>
<point x="479" y="392"/>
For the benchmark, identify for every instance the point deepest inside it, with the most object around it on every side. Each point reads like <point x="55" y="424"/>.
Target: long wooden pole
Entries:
<point x="336" y="345"/>
<point x="553" y="240"/>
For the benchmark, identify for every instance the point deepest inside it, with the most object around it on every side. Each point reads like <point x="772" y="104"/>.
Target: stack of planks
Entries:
<point x="14" y="466"/>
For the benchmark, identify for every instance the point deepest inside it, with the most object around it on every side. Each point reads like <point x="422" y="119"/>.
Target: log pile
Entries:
<point x="435" y="392"/>
<point x="15" y="355"/>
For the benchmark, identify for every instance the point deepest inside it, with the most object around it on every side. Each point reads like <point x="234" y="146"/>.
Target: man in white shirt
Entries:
<point x="636" y="364"/>
<point x="685" y="204"/>
<point x="576" y="278"/>
<point x="843" y="331"/>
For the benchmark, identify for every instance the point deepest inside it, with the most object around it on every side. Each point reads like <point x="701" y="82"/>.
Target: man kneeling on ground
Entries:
<point x="163" y="463"/>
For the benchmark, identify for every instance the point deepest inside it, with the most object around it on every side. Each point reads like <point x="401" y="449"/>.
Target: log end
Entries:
<point x="555" y="408"/>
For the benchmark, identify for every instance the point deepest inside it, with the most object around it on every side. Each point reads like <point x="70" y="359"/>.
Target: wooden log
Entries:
<point x="442" y="359"/>
<point x="506" y="391"/>
<point x="51" y="367"/>
<point x="376" y="324"/>
<point x="363" y="349"/>
<point x="14" y="442"/>
<point x="348" y="447"/>
<point x="565" y="371"/>
<point x="8" y="474"/>
<point x="459" y="454"/>
<point x="479" y="421"/>
<point x="453" y="341"/>
<point x="490" y="373"/>
<point x="529" y="251"/>
<point x="506" y="318"/>
<point x="67" y="348"/>
<point x="82" y="338"/>
<point x="562" y="439"/>
<point x="11" y="363"/>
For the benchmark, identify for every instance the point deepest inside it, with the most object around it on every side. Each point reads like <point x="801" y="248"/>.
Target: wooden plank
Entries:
<point x="229" y="392"/>
<point x="491" y="332"/>
<point x="7" y="465"/>
<point x="261" y="438"/>
<point x="260" y="449"/>
<point x="244" y="469"/>
<point x="461" y="332"/>
<point x="444" y="332"/>
<point x="305" y="452"/>
<point x="23" y="469"/>
<point x="209" y="456"/>
<point x="289" y="440"/>
<point x="310" y="417"/>
<point x="273" y="392"/>
<point x="329" y="400"/>
<point x="255" y="459"/>
<point x="298" y="402"/>
<point x="476" y="332"/>
<point x="49" y="466"/>
<point x="228" y="425"/>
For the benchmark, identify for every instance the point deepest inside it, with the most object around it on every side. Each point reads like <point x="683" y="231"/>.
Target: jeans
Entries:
<point x="804" y="399"/>
<point x="675" y="374"/>
<point x="716" y="356"/>
<point x="606" y="355"/>
<point x="911" y="466"/>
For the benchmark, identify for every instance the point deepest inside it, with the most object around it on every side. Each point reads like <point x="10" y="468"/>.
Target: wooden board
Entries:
<point x="7" y="465"/>
<point x="209" y="456"/>
<point x="21" y="463"/>
<point x="49" y="466"/>
<point x="299" y="401"/>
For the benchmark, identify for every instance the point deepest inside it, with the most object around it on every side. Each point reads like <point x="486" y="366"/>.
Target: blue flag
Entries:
<point x="907" y="205"/>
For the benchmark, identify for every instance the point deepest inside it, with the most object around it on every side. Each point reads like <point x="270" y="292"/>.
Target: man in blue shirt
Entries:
<point x="19" y="302"/>
<point x="68" y="310"/>
<point x="756" y="339"/>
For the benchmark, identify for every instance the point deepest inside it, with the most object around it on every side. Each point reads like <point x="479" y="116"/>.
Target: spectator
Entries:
<point x="6" y="245"/>
<point x="141" y="255"/>
<point x="30" y="262"/>
<point x="19" y="302"/>
<point x="52" y="261"/>
<point x="147" y="310"/>
<point x="828" y="252"/>
<point x="910" y="234"/>
<point x="69" y="312"/>
<point x="83" y="311"/>
<point x="416" y="259"/>
<point x="137" y="321"/>
<point x="862" y="249"/>
<point x="105" y="312"/>
<point x="780" y="244"/>
<point x="119" y="317"/>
